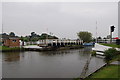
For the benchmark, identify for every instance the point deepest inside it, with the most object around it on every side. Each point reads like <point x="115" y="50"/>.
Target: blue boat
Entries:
<point x="89" y="44"/>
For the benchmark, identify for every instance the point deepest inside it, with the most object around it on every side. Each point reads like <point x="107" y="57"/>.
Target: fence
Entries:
<point x="107" y="41"/>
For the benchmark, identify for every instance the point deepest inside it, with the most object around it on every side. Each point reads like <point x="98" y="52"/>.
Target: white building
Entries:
<point x="46" y="41"/>
<point x="60" y="41"/>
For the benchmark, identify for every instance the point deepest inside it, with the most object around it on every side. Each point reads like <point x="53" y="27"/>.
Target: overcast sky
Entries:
<point x="63" y="19"/>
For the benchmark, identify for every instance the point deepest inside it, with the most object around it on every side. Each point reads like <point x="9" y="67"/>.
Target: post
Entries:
<point x="96" y="33"/>
<point x="110" y="37"/>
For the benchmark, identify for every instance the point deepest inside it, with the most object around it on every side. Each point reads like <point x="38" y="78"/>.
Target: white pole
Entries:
<point x="2" y="28"/>
<point x="96" y="31"/>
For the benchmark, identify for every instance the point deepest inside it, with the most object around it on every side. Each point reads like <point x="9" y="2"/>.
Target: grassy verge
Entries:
<point x="116" y="58"/>
<point x="4" y="48"/>
<point x="110" y="45"/>
<point x="110" y="71"/>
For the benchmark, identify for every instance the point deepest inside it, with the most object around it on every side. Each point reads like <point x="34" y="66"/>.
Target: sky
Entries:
<point x="119" y="20"/>
<point x="63" y="19"/>
<point x="59" y="0"/>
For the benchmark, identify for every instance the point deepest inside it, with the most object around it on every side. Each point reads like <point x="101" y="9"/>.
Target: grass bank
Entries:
<point x="110" y="45"/>
<point x="5" y="48"/>
<point x="110" y="71"/>
<point x="116" y="58"/>
<point x="112" y="53"/>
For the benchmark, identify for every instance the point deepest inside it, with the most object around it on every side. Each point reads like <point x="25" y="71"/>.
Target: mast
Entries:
<point x="96" y="32"/>
<point x="1" y="38"/>
<point x="2" y="28"/>
<point x="47" y="37"/>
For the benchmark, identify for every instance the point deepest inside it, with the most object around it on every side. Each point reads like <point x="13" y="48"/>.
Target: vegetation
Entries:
<point x="93" y="53"/>
<point x="4" y="48"/>
<point x="115" y="58"/>
<point x="110" y="71"/>
<point x="99" y="37"/>
<point x="5" y="35"/>
<point x="110" y="54"/>
<point x="32" y="37"/>
<point x="12" y="34"/>
<point x="85" y="36"/>
<point x="35" y="37"/>
<point x="111" y="45"/>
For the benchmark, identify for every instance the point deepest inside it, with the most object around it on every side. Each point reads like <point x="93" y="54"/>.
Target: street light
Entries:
<point x="111" y="30"/>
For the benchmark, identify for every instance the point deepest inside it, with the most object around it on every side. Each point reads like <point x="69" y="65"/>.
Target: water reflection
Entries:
<point x="11" y="56"/>
<point x="54" y="53"/>
<point x="85" y="50"/>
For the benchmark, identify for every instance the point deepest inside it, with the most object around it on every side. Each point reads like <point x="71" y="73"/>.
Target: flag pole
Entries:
<point x="96" y="32"/>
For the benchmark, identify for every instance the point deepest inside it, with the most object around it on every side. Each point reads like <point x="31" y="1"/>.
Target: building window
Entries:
<point x="13" y="40"/>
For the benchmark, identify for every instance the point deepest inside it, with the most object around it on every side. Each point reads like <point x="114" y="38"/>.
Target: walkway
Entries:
<point x="115" y="63"/>
<point x="102" y="48"/>
<point x="99" y="47"/>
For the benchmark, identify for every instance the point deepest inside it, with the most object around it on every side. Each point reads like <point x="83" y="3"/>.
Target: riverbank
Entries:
<point x="109" y="71"/>
<point x="106" y="71"/>
<point x="110" y="45"/>
<point x="52" y="48"/>
<point x="7" y="49"/>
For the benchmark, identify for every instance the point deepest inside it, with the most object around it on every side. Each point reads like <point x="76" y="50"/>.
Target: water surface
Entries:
<point x="48" y="64"/>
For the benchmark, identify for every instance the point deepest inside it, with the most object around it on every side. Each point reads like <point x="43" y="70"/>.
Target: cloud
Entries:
<point x="62" y="19"/>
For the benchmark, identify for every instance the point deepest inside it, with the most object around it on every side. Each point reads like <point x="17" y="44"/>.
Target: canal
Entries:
<point x="48" y="64"/>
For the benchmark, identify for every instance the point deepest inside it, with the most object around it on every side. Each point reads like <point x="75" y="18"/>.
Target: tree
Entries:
<point x="104" y="38"/>
<point x="26" y="39"/>
<point x="93" y="39"/>
<point x="5" y="34"/>
<point x="99" y="37"/>
<point x="85" y="36"/>
<point x="12" y="34"/>
<point x="33" y="34"/>
<point x="34" y="37"/>
<point x="46" y="36"/>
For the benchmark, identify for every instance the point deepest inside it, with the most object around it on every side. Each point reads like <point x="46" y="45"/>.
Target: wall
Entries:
<point x="10" y="43"/>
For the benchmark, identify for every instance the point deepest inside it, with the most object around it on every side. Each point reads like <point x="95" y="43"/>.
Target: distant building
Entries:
<point x="46" y="41"/>
<point x="52" y="42"/>
<point x="106" y="40"/>
<point x="10" y="41"/>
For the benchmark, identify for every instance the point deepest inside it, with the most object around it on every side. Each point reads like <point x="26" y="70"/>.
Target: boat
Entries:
<point x="89" y="44"/>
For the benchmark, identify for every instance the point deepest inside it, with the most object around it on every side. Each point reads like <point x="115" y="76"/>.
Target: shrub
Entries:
<point x="93" y="53"/>
<point x="110" y="54"/>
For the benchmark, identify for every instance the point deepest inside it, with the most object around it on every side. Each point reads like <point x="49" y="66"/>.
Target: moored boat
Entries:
<point x="89" y="44"/>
